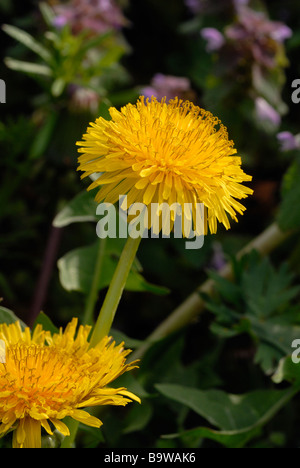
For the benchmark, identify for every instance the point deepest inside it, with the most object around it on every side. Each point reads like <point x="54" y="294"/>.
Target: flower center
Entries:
<point x="39" y="377"/>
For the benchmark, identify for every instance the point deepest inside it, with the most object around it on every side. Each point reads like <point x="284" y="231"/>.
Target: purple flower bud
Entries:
<point x="287" y="141"/>
<point x="265" y="112"/>
<point x="60" y="21"/>
<point x="194" y="5"/>
<point x="167" y="86"/>
<point x="239" y="3"/>
<point x="96" y="16"/>
<point x="149" y="91"/>
<point x="281" y="33"/>
<point x="215" y="39"/>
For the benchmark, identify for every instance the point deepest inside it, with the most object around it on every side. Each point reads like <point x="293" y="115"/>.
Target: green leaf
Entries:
<point x="7" y="316"/>
<point x="82" y="208"/>
<point x="58" y="87"/>
<point x="129" y="381"/>
<point x="27" y="67"/>
<point x="269" y="87"/>
<point x="138" y="417"/>
<point x="287" y="370"/>
<point x="289" y="213"/>
<point x="95" y="42"/>
<point x="47" y="13"/>
<point x="259" y="304"/>
<point x="238" y="439"/>
<point x="46" y="323"/>
<point x="288" y="216"/>
<point x="120" y="337"/>
<point x="27" y="40"/>
<point x="267" y="290"/>
<point x="111" y="56"/>
<point x="92" y="436"/>
<point x="43" y="136"/>
<point x="239" y="417"/>
<point x="229" y="290"/>
<point x="76" y="270"/>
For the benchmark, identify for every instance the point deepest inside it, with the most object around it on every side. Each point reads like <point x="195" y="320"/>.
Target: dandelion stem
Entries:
<point x="114" y="293"/>
<point x="93" y="293"/>
<point x="267" y="241"/>
<point x="87" y="319"/>
<point x="109" y="307"/>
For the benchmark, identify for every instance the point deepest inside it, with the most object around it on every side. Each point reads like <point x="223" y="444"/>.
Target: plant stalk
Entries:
<point x="115" y="290"/>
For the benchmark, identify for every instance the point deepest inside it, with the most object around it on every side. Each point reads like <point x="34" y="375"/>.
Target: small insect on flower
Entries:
<point x="47" y="377"/>
<point x="159" y="152"/>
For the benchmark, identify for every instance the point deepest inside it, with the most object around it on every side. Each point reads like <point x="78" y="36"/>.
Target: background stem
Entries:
<point x="46" y="273"/>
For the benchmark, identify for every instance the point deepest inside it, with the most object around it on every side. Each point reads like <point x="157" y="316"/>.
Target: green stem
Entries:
<point x="109" y="307"/>
<point x="115" y="290"/>
<point x="87" y="319"/>
<point x="93" y="293"/>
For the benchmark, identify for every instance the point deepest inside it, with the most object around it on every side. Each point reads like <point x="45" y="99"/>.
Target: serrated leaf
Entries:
<point x="260" y="307"/>
<point x="267" y="290"/>
<point x="226" y="288"/>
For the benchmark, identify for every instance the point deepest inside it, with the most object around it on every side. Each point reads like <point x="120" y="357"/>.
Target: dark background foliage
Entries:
<point x="232" y="347"/>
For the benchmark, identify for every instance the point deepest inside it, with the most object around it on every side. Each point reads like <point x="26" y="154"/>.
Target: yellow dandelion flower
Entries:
<point x="158" y="152"/>
<point x="45" y="378"/>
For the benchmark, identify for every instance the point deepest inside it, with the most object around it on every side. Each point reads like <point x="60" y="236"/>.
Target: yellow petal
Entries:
<point x="86" y="418"/>
<point x="61" y="426"/>
<point x="27" y="434"/>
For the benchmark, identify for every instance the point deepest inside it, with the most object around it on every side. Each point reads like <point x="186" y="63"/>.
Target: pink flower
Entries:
<point x="84" y="99"/>
<point x="167" y="86"/>
<point x="288" y="141"/>
<point x="265" y="112"/>
<point x="257" y="37"/>
<point x="96" y="16"/>
<point x="215" y="39"/>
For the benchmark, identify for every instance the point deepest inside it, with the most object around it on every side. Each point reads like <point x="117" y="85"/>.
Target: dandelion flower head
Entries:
<point x="45" y="378"/>
<point x="166" y="152"/>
